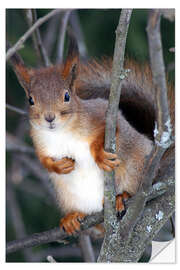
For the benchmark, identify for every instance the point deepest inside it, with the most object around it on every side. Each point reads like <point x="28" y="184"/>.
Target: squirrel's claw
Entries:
<point x="70" y="223"/>
<point x="63" y="166"/>
<point x="108" y="161"/>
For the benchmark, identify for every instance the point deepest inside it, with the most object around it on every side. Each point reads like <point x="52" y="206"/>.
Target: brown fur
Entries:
<point x="85" y="118"/>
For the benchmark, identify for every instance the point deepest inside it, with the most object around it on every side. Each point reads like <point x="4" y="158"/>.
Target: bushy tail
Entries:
<point x="137" y="94"/>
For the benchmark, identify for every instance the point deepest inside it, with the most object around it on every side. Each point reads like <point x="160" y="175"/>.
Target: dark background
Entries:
<point x="98" y="28"/>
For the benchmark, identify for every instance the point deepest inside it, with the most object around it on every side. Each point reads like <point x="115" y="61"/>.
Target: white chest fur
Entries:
<point x="82" y="189"/>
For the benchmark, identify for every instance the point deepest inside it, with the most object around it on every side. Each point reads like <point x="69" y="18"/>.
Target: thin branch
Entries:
<point x="163" y="128"/>
<point x="75" y="23"/>
<point x="15" y="109"/>
<point x="31" y="17"/>
<point x="42" y="50"/>
<point x="16" y="217"/>
<point x="49" y="37"/>
<point x="86" y="248"/>
<point x="118" y="74"/>
<point x="17" y="171"/>
<point x="62" y="32"/>
<point x="15" y="145"/>
<point x="39" y="22"/>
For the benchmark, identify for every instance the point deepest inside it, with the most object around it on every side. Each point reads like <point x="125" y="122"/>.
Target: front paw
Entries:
<point x="63" y="166"/>
<point x="107" y="161"/>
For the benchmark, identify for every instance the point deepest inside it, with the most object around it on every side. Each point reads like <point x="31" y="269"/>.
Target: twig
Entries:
<point x="15" y="109"/>
<point x="118" y="74"/>
<point x="86" y="248"/>
<point x="75" y="23"/>
<point x="40" y="45"/>
<point x="31" y="17"/>
<point x="17" y="171"/>
<point x="49" y="37"/>
<point x="16" y="216"/>
<point x="39" y="22"/>
<point x="15" y="145"/>
<point x="62" y="32"/>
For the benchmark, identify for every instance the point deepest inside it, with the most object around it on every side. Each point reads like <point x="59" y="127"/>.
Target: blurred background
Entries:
<point x="30" y="200"/>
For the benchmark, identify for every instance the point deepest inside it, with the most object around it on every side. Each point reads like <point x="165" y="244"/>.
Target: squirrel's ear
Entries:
<point x="70" y="69"/>
<point x="23" y="74"/>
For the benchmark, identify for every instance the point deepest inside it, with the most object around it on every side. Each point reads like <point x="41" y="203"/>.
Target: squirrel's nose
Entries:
<point x="50" y="116"/>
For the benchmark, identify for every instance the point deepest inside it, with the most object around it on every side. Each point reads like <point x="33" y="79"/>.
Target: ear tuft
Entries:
<point x="23" y="74"/>
<point x="72" y="57"/>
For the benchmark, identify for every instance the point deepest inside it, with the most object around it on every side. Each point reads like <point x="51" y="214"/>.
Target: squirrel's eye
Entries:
<point x="66" y="97"/>
<point x="31" y="102"/>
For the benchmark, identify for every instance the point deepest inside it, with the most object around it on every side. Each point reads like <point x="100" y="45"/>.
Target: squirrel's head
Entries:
<point x="51" y="92"/>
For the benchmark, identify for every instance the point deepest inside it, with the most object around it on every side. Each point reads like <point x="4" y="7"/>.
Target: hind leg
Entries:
<point x="120" y="203"/>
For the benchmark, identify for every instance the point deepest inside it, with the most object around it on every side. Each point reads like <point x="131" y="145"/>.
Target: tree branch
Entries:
<point x="31" y="17"/>
<point x="62" y="32"/>
<point x="15" y="145"/>
<point x="39" y="22"/>
<point x="15" y="109"/>
<point x="123" y="233"/>
<point x="51" y="235"/>
<point x="86" y="248"/>
<point x="56" y="234"/>
<point x="118" y="74"/>
<point x="75" y="24"/>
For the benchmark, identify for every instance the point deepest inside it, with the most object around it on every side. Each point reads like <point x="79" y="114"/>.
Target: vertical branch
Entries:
<point x="31" y="18"/>
<point x="75" y="23"/>
<point x="16" y="217"/>
<point x="40" y="45"/>
<point x="62" y="32"/>
<point x="49" y="38"/>
<point x="163" y="128"/>
<point x="163" y="132"/>
<point x="118" y="74"/>
<point x="86" y="247"/>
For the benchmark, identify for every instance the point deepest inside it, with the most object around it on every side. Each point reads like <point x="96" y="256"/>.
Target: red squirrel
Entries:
<point x="67" y="110"/>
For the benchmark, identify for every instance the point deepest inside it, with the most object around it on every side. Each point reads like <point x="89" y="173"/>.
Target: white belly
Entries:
<point x="82" y="189"/>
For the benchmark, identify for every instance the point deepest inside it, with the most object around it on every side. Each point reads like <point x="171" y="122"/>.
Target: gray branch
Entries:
<point x="86" y="248"/>
<point x="15" y="109"/>
<point x="118" y="74"/>
<point x="75" y="24"/>
<point x="62" y="32"/>
<point x="119" y="236"/>
<point x="31" y="17"/>
<point x="38" y="23"/>
<point x="151" y="209"/>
